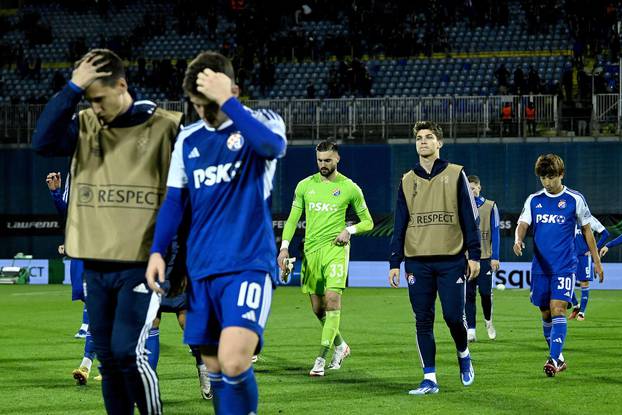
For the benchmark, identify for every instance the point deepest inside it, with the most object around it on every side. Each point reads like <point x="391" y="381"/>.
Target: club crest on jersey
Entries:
<point x="336" y="192"/>
<point x="561" y="204"/>
<point x="411" y="279"/>
<point x="235" y="141"/>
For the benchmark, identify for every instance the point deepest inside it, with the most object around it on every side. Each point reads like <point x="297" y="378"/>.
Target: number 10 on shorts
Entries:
<point x="250" y="294"/>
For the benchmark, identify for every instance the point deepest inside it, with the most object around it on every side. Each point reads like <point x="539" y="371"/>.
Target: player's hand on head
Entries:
<point x="215" y="86"/>
<point x="89" y="71"/>
<point x="343" y="238"/>
<point x="473" y="269"/>
<point x="603" y="251"/>
<point x="495" y="265"/>
<point x="283" y="255"/>
<point x="394" y="277"/>
<point x="155" y="272"/>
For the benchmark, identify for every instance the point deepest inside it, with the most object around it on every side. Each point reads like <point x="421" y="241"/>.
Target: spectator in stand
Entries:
<point x="310" y="90"/>
<point x="502" y="75"/>
<point x="530" y="118"/>
<point x="533" y="81"/>
<point x="519" y="80"/>
<point x="506" y="119"/>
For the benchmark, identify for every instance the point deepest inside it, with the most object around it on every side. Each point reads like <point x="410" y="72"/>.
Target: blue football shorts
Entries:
<point x="545" y="288"/>
<point x="230" y="300"/>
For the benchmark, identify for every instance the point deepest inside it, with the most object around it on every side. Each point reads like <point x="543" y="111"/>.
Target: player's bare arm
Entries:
<point x="88" y="71"/>
<point x="473" y="269"/>
<point x="591" y="243"/>
<point x="155" y="272"/>
<point x="519" y="237"/>
<point x="394" y="277"/>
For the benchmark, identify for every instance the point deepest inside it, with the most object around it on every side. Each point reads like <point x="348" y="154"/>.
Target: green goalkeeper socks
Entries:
<point x="338" y="339"/>
<point x="329" y="331"/>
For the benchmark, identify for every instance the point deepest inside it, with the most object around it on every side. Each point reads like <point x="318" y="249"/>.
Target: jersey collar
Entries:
<point x="555" y="195"/>
<point x="221" y="127"/>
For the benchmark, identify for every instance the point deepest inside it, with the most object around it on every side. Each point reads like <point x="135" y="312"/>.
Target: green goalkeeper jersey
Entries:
<point x="325" y="203"/>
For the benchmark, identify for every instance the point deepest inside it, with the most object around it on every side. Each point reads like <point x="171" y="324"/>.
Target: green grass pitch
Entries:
<point x="38" y="352"/>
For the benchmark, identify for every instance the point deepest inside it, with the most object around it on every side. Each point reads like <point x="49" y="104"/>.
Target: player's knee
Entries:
<point x="424" y="326"/>
<point x="453" y="321"/>
<point x="470" y="297"/>
<point x="234" y="365"/>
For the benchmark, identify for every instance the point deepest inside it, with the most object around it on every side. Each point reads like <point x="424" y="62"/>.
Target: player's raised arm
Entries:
<point x="290" y="226"/>
<point x="267" y="142"/>
<point x="56" y="131"/>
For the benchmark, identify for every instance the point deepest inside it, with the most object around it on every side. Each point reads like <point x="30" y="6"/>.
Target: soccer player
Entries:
<point x="175" y="301"/>
<point x="121" y="150"/>
<point x="325" y="198"/>
<point x="489" y="262"/>
<point x="585" y="271"/>
<point x="436" y="222"/>
<point x="76" y="271"/>
<point x="554" y="212"/>
<point x="223" y="166"/>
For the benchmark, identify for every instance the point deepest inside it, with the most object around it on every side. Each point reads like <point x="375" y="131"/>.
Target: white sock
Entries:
<point x="430" y="376"/>
<point x="471" y="331"/>
<point x="464" y="354"/>
<point x="86" y="362"/>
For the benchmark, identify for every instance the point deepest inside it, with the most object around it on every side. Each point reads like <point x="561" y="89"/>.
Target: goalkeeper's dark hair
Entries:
<point x="327" y="145"/>
<point x="549" y="165"/>
<point x="212" y="60"/>
<point x="114" y="65"/>
<point x="473" y="179"/>
<point x="429" y="125"/>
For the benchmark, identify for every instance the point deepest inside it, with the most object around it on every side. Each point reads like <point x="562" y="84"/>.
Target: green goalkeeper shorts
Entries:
<point x="325" y="269"/>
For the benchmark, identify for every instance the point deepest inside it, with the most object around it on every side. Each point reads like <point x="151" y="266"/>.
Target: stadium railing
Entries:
<point x="370" y="119"/>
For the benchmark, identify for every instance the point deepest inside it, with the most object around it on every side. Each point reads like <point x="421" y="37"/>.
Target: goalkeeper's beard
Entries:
<point x="325" y="171"/>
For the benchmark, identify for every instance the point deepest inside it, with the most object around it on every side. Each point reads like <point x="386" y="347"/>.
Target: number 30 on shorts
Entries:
<point x="249" y="294"/>
<point x="564" y="283"/>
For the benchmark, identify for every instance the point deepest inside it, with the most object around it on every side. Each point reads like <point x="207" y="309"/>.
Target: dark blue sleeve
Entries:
<point x="169" y="218"/>
<point x="399" y="230"/>
<point x="56" y="131"/>
<point x="59" y="203"/>
<point x="615" y="242"/>
<point x="603" y="238"/>
<point x="495" y="236"/>
<point x="265" y="142"/>
<point x="468" y="219"/>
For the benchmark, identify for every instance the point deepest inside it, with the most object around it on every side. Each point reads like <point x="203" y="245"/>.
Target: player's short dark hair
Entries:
<point x="429" y="125"/>
<point x="204" y="60"/>
<point x="114" y="65"/>
<point x="473" y="179"/>
<point x="327" y="145"/>
<point x="549" y="165"/>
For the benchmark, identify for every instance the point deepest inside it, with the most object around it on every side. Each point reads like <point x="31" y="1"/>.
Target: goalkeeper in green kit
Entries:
<point x="325" y="197"/>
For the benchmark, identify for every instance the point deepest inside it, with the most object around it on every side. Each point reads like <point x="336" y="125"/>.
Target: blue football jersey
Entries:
<point x="229" y="187"/>
<point x="580" y="244"/>
<point x="554" y="219"/>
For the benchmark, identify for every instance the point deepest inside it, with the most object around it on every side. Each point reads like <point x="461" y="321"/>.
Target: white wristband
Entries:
<point x="351" y="229"/>
<point x="284" y="244"/>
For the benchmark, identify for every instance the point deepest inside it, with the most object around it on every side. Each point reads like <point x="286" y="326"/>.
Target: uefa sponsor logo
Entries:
<point x="85" y="194"/>
<point x="235" y="141"/>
